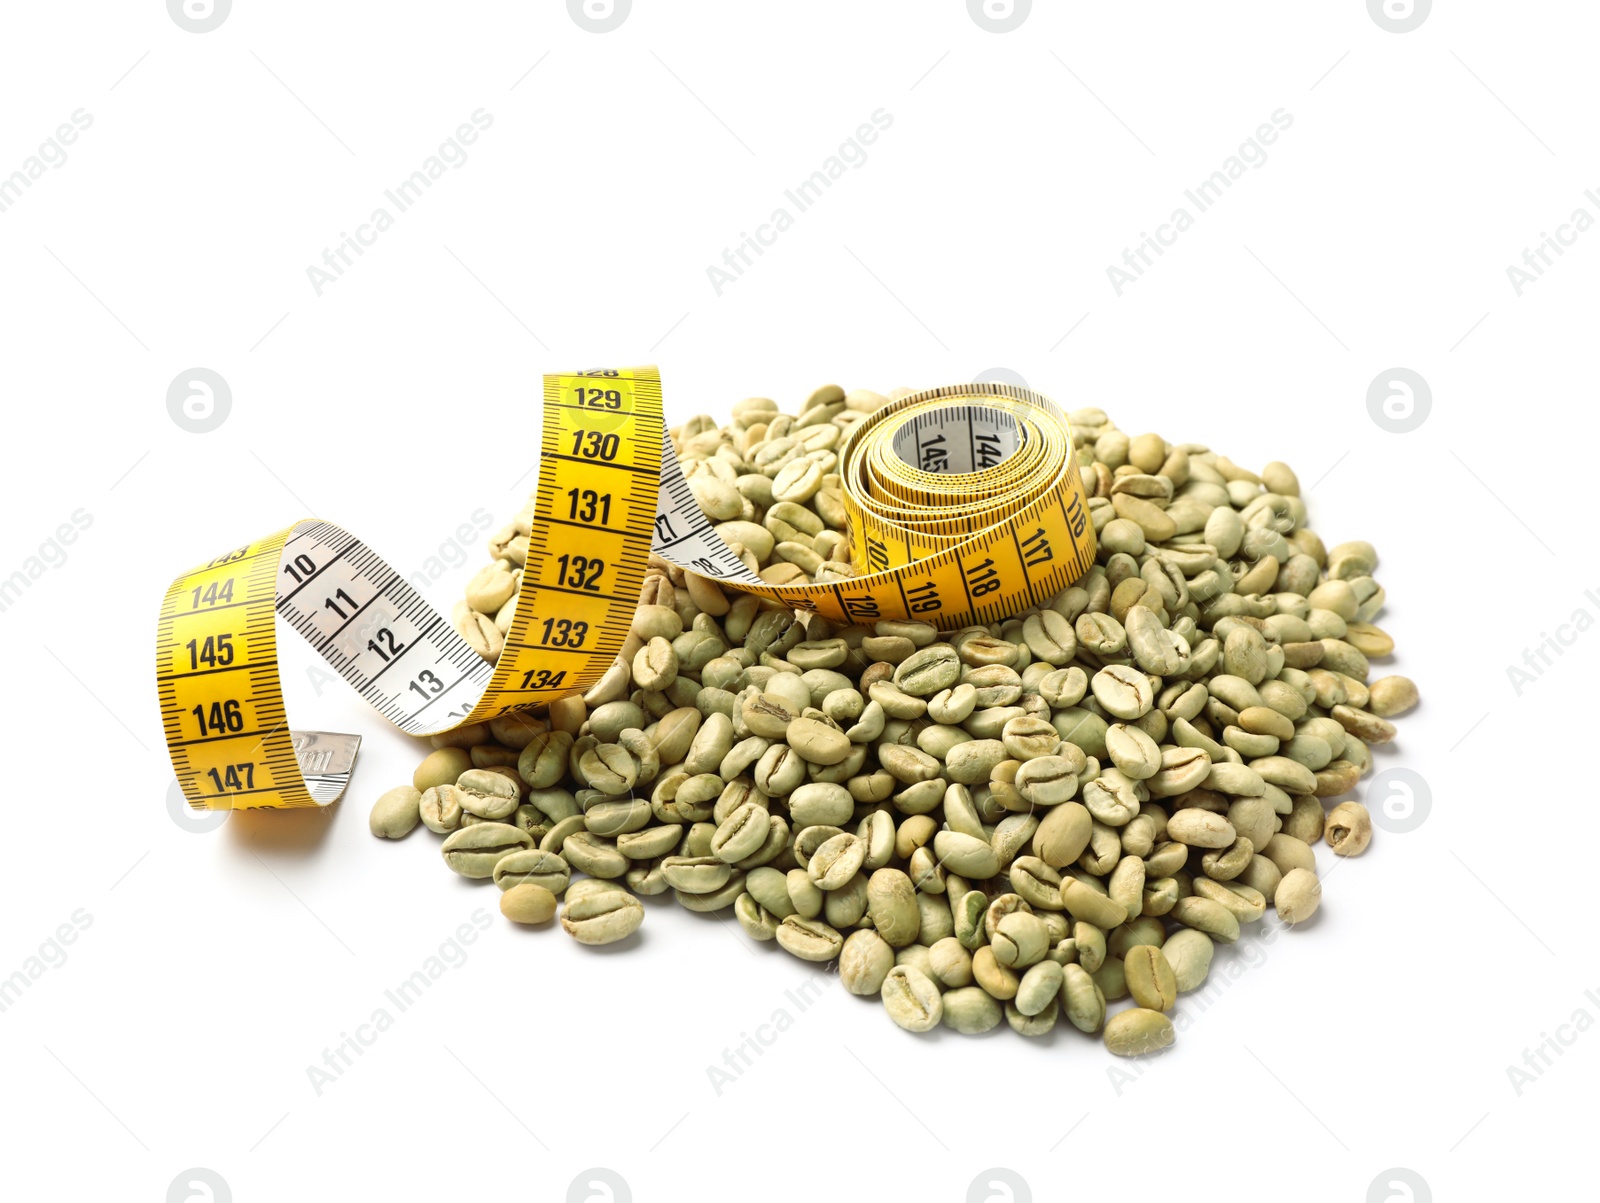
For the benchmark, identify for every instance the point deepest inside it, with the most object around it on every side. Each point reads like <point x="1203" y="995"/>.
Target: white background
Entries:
<point x="217" y="966"/>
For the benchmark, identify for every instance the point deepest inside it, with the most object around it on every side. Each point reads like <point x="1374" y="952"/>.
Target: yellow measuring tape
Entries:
<point x="965" y="506"/>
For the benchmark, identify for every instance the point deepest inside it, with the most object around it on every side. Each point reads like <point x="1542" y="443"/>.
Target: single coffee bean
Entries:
<point x="1083" y="902"/>
<point x="1349" y="829"/>
<point x="966" y="855"/>
<point x="1111" y="978"/>
<point x="1028" y="737"/>
<point x="1133" y="751"/>
<point x="817" y="742"/>
<point x="487" y="794"/>
<point x="911" y="999"/>
<point x="396" y="812"/>
<point x="809" y="939"/>
<point x="1137" y="1031"/>
<point x="1084" y="1003"/>
<point x="1298" y="896"/>
<point x="836" y="861"/>
<point x="767" y="715"/>
<point x="528" y="903"/>
<point x="1020" y="939"/>
<point x="650" y="843"/>
<point x="532" y="866"/>
<point x="741" y="834"/>
<point x="971" y="1011"/>
<point x="1040" y="986"/>
<point x="600" y="912"/>
<point x="996" y="980"/>
<point x="696" y="874"/>
<point x="1062" y="835"/>
<point x="1289" y="853"/>
<point x="820" y="803"/>
<point x="971" y="762"/>
<point x="949" y="963"/>
<point x="1247" y="903"/>
<point x="1200" y="829"/>
<point x="1112" y="798"/>
<point x="864" y="962"/>
<point x="927" y="672"/>
<point x="1189" y="952"/>
<point x="543" y="760"/>
<point x="474" y="851"/>
<point x="1122" y="691"/>
<point x="1391" y="696"/>
<point x="587" y="852"/>
<point x="441" y="767"/>
<point x="1212" y="918"/>
<point x="1150" y="978"/>
<point x="892" y="904"/>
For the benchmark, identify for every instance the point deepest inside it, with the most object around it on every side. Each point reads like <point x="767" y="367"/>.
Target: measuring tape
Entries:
<point x="965" y="506"/>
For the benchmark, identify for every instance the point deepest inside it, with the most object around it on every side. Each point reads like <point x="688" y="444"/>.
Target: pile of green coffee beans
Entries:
<point x="1020" y="822"/>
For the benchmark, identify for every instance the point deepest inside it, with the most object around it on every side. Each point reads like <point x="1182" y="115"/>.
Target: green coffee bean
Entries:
<point x="716" y="900"/>
<point x="1062" y="835"/>
<point x="971" y="762"/>
<point x="600" y="912"/>
<point x="1040" y="986"/>
<point x="474" y="851"/>
<point x="1020" y="939"/>
<point x="650" y="843"/>
<point x="809" y="939"/>
<point x="836" y="860"/>
<point x="970" y="1010"/>
<point x="617" y="818"/>
<point x="528" y="903"/>
<point x="1111" y="979"/>
<point x="864" y="962"/>
<point x="1200" y="829"/>
<point x="1033" y="1025"/>
<point x="1391" y="696"/>
<point x="804" y="896"/>
<point x="1137" y="1031"/>
<point x="912" y="1000"/>
<point x="1246" y="902"/>
<point x="396" y="812"/>
<point x="1124" y="692"/>
<point x="741" y="834"/>
<point x="820" y="803"/>
<point x="696" y="874"/>
<point x="532" y="866"/>
<point x="1189" y="953"/>
<point x="1084" y="1003"/>
<point x="966" y="855"/>
<point x="1348" y="829"/>
<point x="892" y="904"/>
<point x="926" y="672"/>
<point x="1086" y="903"/>
<point x="590" y="853"/>
<point x="996" y="980"/>
<point x="1298" y="896"/>
<point x="441" y="767"/>
<point x="1150" y="978"/>
<point x="1210" y="917"/>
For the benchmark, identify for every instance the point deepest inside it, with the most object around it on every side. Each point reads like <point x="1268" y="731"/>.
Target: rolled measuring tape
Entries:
<point x="964" y="503"/>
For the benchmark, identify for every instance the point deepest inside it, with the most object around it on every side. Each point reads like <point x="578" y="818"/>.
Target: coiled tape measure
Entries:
<point x="964" y="503"/>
